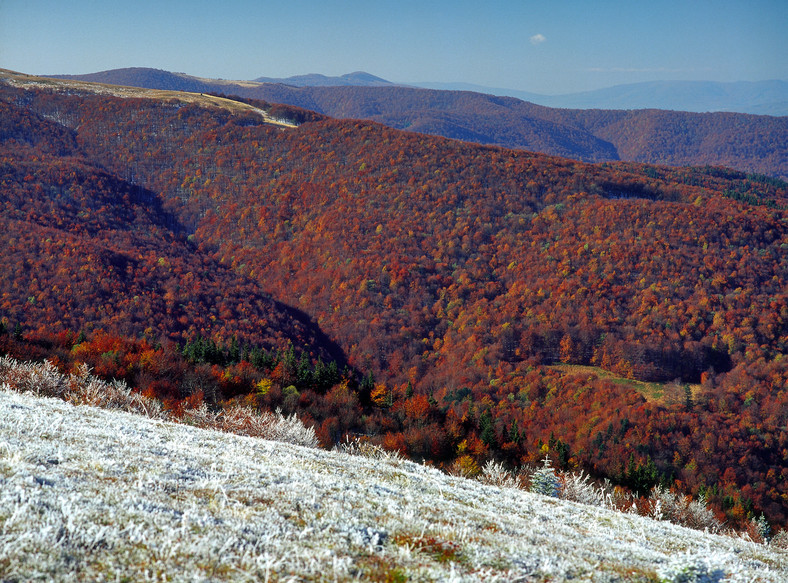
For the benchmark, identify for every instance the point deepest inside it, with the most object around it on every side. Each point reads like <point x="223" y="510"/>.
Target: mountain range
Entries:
<point x="751" y="143"/>
<point x="755" y="97"/>
<point x="456" y="302"/>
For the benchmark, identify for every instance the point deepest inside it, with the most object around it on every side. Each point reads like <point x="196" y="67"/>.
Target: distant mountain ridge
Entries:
<point x="757" y="98"/>
<point x="357" y="79"/>
<point x="753" y="97"/>
<point x="750" y="143"/>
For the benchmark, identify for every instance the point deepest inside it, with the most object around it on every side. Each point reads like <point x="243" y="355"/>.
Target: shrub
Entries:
<point x="41" y="379"/>
<point x="273" y="426"/>
<point x="682" y="510"/>
<point x="545" y="481"/>
<point x="464" y="467"/>
<point x="578" y="487"/>
<point x="495" y="474"/>
<point x="366" y="448"/>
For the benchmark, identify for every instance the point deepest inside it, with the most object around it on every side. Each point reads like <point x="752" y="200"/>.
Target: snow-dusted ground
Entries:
<point x="94" y="494"/>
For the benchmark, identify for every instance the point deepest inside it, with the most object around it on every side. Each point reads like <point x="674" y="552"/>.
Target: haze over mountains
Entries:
<point x="746" y="142"/>
<point x="759" y="97"/>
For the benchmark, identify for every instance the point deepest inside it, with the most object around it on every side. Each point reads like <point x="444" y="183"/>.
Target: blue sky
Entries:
<point x="549" y="46"/>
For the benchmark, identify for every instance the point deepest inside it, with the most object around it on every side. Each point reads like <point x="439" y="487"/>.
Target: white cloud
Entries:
<point x="538" y="39"/>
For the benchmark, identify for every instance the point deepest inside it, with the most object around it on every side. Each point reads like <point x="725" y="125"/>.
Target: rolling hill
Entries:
<point x="750" y="143"/>
<point x="448" y="275"/>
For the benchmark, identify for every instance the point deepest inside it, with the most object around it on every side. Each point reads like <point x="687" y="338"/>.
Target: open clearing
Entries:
<point x="651" y="391"/>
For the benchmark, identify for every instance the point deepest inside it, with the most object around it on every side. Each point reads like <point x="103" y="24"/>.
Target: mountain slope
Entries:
<point x="457" y="274"/>
<point x="97" y="494"/>
<point x="745" y="142"/>
<point x="85" y="249"/>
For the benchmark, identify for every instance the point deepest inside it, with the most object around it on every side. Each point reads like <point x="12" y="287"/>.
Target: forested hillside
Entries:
<point x="450" y="277"/>
<point x="84" y="248"/>
<point x="750" y="143"/>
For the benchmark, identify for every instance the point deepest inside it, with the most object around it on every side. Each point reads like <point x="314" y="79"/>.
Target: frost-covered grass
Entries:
<point x="82" y="388"/>
<point x="101" y="494"/>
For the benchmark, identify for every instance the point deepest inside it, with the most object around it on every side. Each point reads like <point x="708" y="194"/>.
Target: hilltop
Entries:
<point x="89" y="493"/>
<point x="359" y="78"/>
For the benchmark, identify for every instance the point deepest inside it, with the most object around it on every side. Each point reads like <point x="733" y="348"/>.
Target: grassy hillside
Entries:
<point x="98" y="494"/>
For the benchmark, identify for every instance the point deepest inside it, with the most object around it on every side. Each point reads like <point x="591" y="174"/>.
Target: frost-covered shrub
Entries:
<point x="272" y="426"/>
<point x="85" y="389"/>
<point x="199" y="416"/>
<point x="577" y="487"/>
<point x="495" y="474"/>
<point x="42" y="379"/>
<point x="246" y="421"/>
<point x="617" y="498"/>
<point x="683" y="510"/>
<point x="80" y="388"/>
<point x="780" y="540"/>
<point x="464" y="467"/>
<point x="545" y="481"/>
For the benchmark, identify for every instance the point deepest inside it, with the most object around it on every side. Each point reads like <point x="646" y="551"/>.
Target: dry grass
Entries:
<point x="204" y="100"/>
<point x="653" y="392"/>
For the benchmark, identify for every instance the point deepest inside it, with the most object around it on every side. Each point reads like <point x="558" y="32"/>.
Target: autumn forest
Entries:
<point x="453" y="301"/>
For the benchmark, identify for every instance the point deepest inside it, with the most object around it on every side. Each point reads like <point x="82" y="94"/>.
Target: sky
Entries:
<point x="546" y="46"/>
